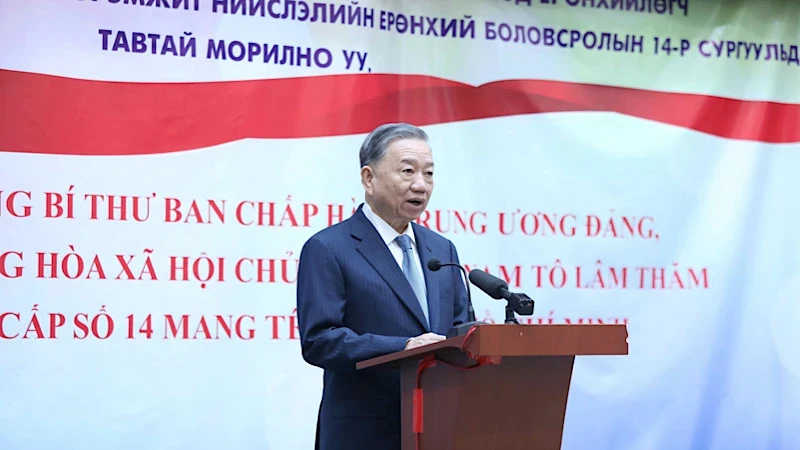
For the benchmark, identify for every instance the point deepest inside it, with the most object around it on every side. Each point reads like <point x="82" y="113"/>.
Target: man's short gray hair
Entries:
<point x="376" y="143"/>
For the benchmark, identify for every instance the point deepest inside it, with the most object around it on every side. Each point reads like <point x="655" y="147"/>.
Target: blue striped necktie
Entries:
<point x="413" y="275"/>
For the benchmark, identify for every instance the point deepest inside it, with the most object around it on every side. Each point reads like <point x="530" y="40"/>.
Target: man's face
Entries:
<point x="400" y="184"/>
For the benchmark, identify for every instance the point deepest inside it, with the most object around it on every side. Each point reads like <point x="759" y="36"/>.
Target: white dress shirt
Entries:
<point x="388" y="234"/>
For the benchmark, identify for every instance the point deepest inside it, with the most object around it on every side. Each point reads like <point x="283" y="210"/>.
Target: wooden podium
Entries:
<point x="497" y="387"/>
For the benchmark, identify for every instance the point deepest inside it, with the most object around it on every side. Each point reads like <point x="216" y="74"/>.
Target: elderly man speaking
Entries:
<point x="364" y="290"/>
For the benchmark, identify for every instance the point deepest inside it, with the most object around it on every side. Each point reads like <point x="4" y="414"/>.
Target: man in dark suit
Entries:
<point x="364" y="290"/>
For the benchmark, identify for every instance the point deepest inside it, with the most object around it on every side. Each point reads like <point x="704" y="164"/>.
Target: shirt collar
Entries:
<point x="388" y="234"/>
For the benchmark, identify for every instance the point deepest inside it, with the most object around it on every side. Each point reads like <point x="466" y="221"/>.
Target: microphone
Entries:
<point x="491" y="285"/>
<point x="496" y="288"/>
<point x="434" y="265"/>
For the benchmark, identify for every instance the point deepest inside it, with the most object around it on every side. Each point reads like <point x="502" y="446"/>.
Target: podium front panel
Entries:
<point x="519" y="404"/>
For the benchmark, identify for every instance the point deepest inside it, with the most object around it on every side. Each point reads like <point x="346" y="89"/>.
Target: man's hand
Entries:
<point x="425" y="339"/>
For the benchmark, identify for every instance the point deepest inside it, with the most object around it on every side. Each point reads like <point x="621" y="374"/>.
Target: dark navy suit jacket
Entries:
<point x="354" y="303"/>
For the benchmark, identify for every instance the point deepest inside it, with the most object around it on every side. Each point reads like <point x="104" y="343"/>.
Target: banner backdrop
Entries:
<point x="621" y="161"/>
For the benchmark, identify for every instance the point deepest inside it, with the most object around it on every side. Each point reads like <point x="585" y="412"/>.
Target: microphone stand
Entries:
<point x="510" y="317"/>
<point x="516" y="302"/>
<point x="463" y="328"/>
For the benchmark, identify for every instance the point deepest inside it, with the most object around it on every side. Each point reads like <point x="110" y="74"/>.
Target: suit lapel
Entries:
<point x="431" y="278"/>
<point x="374" y="250"/>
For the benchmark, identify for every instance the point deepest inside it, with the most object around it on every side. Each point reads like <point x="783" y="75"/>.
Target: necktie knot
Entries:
<point x="404" y="241"/>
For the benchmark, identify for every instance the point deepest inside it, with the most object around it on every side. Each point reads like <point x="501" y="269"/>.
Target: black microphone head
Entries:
<point x="488" y="283"/>
<point x="434" y="264"/>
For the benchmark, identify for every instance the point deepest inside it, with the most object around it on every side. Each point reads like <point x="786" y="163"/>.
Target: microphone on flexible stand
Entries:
<point x="458" y="330"/>
<point x="496" y="288"/>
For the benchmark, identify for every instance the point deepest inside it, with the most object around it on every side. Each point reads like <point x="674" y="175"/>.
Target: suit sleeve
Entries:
<point x="460" y="304"/>
<point x="321" y="301"/>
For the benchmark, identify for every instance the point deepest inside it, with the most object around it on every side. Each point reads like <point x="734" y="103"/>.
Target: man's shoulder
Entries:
<point x="332" y="235"/>
<point x="430" y="236"/>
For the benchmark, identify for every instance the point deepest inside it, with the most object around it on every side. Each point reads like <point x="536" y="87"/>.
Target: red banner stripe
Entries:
<point x="57" y="115"/>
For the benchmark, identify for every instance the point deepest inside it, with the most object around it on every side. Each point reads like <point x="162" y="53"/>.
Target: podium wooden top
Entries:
<point x="522" y="340"/>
